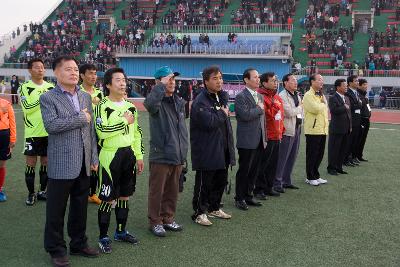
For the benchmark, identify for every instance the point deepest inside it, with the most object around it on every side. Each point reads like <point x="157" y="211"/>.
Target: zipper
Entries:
<point x="315" y="121"/>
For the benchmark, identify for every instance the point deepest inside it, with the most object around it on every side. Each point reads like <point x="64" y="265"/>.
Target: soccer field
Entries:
<point x="354" y="220"/>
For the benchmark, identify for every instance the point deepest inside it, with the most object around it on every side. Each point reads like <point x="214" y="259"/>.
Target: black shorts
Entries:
<point x="36" y="146"/>
<point x="120" y="181"/>
<point x="4" y="144"/>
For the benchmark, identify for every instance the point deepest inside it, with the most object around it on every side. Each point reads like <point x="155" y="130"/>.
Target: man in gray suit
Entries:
<point x="251" y="138"/>
<point x="72" y="154"/>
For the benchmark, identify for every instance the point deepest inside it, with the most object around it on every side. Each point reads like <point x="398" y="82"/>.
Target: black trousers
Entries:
<point x="364" y="129"/>
<point x="249" y="166"/>
<point x="14" y="97"/>
<point x="353" y="140"/>
<point x="266" y="175"/>
<point x="58" y="192"/>
<point x="315" y="148"/>
<point x="209" y="187"/>
<point x="337" y="144"/>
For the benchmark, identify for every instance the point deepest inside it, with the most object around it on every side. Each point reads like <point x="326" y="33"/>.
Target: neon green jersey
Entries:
<point x="30" y="93"/>
<point x="96" y="93"/>
<point x="113" y="129"/>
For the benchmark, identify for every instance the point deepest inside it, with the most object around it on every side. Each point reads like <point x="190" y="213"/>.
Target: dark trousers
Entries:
<point x="249" y="166"/>
<point x="58" y="192"/>
<point x="288" y="150"/>
<point x="208" y="190"/>
<point x="266" y="175"/>
<point x="315" y="148"/>
<point x="353" y="140"/>
<point x="337" y="144"/>
<point x="365" y="123"/>
<point x="14" y="97"/>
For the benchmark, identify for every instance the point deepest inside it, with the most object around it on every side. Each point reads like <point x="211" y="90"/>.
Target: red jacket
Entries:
<point x="273" y="106"/>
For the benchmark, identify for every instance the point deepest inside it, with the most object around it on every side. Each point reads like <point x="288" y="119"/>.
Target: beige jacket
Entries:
<point x="291" y="112"/>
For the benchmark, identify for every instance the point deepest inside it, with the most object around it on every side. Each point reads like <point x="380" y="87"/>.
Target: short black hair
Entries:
<point x="210" y="70"/>
<point x="313" y="77"/>
<point x="339" y="82"/>
<point x="286" y="78"/>
<point x="246" y="73"/>
<point x="109" y="73"/>
<point x="362" y="81"/>
<point x="33" y="60"/>
<point x="351" y="78"/>
<point x="83" y="68"/>
<point x="61" y="59"/>
<point x="266" y="76"/>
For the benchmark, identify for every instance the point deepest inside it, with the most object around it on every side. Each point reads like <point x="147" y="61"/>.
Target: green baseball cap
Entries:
<point x="164" y="71"/>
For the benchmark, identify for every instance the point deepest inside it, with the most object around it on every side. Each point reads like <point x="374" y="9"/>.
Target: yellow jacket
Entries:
<point x="315" y="114"/>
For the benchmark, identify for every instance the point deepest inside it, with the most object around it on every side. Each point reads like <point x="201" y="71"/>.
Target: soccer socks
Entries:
<point x="43" y="177"/>
<point x="2" y="177"/>
<point x="30" y="178"/>
<point x="93" y="182"/>
<point x="121" y="214"/>
<point x="103" y="216"/>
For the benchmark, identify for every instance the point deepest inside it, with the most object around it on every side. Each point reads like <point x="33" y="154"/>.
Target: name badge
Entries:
<point x="357" y="111"/>
<point x="368" y="106"/>
<point x="278" y="116"/>
<point x="299" y="116"/>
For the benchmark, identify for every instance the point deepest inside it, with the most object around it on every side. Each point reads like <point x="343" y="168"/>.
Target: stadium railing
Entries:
<point x="14" y="65"/>
<point x="346" y="72"/>
<point x="254" y="28"/>
<point x="212" y="50"/>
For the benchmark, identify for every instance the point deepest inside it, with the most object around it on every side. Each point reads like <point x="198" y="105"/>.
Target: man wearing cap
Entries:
<point x="168" y="150"/>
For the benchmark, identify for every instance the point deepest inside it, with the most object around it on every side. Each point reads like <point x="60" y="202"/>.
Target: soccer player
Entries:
<point x="88" y="73"/>
<point x="35" y="133"/>
<point x="8" y="137"/>
<point x="120" y="138"/>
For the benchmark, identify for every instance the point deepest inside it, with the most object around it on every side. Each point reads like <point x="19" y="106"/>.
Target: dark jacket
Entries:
<point x="365" y="111"/>
<point x="208" y="124"/>
<point x="340" y="115"/>
<point x="355" y="107"/>
<point x="168" y="133"/>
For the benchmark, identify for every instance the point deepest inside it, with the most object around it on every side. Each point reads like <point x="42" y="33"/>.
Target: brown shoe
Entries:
<point x="85" y="252"/>
<point x="60" y="261"/>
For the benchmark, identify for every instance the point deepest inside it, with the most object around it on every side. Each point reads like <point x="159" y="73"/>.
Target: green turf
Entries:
<point x="351" y="221"/>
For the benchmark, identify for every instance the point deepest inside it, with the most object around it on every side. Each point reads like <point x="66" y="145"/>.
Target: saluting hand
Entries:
<point x="87" y="114"/>
<point x="129" y="117"/>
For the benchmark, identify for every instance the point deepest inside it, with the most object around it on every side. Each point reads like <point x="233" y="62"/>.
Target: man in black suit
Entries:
<point x="339" y="127"/>
<point x="365" y="117"/>
<point x="251" y="138"/>
<point x="355" y="107"/>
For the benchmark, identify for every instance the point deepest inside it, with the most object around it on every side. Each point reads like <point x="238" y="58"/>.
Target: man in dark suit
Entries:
<point x="365" y="117"/>
<point x="72" y="154"/>
<point x="339" y="127"/>
<point x="355" y="107"/>
<point x="251" y="138"/>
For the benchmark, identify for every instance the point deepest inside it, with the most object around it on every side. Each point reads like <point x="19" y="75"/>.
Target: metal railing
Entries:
<point x="16" y="65"/>
<point x="265" y="50"/>
<point x="255" y="28"/>
<point x="347" y="72"/>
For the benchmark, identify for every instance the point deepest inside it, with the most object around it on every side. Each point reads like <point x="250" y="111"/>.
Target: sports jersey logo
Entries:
<point x="23" y="98"/>
<point x="99" y="120"/>
<point x="105" y="190"/>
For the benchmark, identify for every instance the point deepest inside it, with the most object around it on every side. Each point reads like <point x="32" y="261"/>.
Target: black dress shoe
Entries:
<point x="341" y="172"/>
<point x="252" y="202"/>
<point x="356" y="161"/>
<point x="290" y="186"/>
<point x="349" y="164"/>
<point x="85" y="252"/>
<point x="260" y="196"/>
<point x="362" y="159"/>
<point x="273" y="193"/>
<point x="60" y="261"/>
<point x="279" y="190"/>
<point x="332" y="172"/>
<point x="241" y="204"/>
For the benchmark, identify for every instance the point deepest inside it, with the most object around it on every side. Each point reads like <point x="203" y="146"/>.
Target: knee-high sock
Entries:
<point x="30" y="178"/>
<point x="103" y="216"/>
<point x="43" y="177"/>
<point x="2" y="177"/>
<point x="121" y="214"/>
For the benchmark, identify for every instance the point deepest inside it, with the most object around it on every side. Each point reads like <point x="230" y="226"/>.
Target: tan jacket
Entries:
<point x="290" y="112"/>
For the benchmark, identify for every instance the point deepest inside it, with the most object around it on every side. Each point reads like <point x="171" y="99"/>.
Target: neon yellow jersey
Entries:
<point x="96" y="93"/>
<point x="30" y="93"/>
<point x="113" y="129"/>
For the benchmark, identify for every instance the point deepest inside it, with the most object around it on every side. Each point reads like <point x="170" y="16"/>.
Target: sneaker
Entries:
<point x="158" y="230"/>
<point x="3" y="196"/>
<point x="105" y="245"/>
<point x="219" y="214"/>
<point x="125" y="236"/>
<point x="173" y="227"/>
<point x="203" y="220"/>
<point x="41" y="195"/>
<point x="31" y="199"/>
<point x="94" y="199"/>
<point x="312" y="182"/>
<point x="322" y="181"/>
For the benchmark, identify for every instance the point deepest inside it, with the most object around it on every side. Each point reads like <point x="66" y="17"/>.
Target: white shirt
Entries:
<point x="253" y="94"/>
<point x="342" y="96"/>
